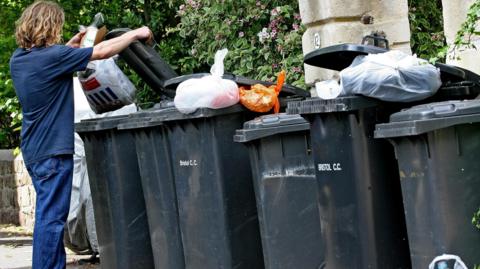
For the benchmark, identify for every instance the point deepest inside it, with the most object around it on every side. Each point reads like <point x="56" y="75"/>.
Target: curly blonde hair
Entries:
<point x="40" y="25"/>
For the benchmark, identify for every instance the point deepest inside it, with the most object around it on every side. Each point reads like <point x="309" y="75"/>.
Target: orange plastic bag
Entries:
<point x="259" y="98"/>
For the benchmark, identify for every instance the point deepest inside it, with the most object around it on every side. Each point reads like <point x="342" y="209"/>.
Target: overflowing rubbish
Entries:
<point x="211" y="91"/>
<point x="391" y="76"/>
<point x="328" y="89"/>
<point x="94" y="33"/>
<point x="441" y="262"/>
<point x="107" y="88"/>
<point x="259" y="98"/>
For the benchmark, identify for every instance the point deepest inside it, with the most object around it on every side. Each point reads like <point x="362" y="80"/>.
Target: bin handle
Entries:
<point x="376" y="40"/>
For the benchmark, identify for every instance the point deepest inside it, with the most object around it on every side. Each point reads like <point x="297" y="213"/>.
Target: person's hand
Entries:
<point x="75" y="41"/>
<point x="144" y="33"/>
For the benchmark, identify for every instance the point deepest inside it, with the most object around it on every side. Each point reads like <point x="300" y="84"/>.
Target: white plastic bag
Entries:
<point x="328" y="89"/>
<point x="209" y="91"/>
<point x="106" y="86"/>
<point x="437" y="262"/>
<point x="390" y="76"/>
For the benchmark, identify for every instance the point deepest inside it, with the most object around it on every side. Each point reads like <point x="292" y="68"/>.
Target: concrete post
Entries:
<point x="331" y="22"/>
<point x="454" y="14"/>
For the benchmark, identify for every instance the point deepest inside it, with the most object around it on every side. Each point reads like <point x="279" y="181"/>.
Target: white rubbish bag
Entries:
<point x="391" y="76"/>
<point x="210" y="91"/>
<point x="440" y="262"/>
<point x="106" y="87"/>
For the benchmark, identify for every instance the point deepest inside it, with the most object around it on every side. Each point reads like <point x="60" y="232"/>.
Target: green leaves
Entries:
<point x="10" y="122"/>
<point x="426" y="25"/>
<point x="476" y="219"/>
<point x="188" y="33"/>
<point x="207" y="26"/>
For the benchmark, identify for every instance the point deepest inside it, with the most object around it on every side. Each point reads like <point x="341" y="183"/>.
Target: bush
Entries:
<point x="476" y="219"/>
<point x="426" y="26"/>
<point x="10" y="122"/>
<point x="263" y="38"/>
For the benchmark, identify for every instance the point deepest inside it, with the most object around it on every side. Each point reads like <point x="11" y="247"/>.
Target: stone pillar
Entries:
<point x="17" y="195"/>
<point x="26" y="195"/>
<point x="454" y="14"/>
<point x="8" y="191"/>
<point x="331" y="22"/>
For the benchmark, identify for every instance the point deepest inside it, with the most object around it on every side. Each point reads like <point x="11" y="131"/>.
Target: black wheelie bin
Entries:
<point x="436" y="147"/>
<point x="119" y="207"/>
<point x="361" y="207"/>
<point x="192" y="165"/>
<point x="285" y="190"/>
<point x="360" y="199"/>
<point x="196" y="180"/>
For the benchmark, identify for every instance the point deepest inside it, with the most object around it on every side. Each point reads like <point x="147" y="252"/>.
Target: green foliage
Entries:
<point x="463" y="39"/>
<point x="476" y="219"/>
<point x="262" y="37"/>
<point x="10" y="122"/>
<point x="426" y="25"/>
<point x="158" y="15"/>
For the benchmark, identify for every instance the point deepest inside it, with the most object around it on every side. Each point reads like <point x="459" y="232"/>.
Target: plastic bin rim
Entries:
<point x="341" y="104"/>
<point x="418" y="127"/>
<point x="99" y="124"/>
<point x="248" y="135"/>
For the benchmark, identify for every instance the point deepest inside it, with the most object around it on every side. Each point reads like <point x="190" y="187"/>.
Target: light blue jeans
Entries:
<point x="52" y="180"/>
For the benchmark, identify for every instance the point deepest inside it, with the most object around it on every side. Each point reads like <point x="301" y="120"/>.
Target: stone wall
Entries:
<point x="331" y="22"/>
<point x="454" y="14"/>
<point x="17" y="195"/>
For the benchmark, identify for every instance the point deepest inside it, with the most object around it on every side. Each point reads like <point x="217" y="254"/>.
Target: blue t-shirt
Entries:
<point x="43" y="80"/>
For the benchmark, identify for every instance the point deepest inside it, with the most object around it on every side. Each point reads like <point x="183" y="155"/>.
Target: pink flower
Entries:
<point x="295" y="27"/>
<point x="273" y="24"/>
<point x="297" y="16"/>
<point x="274" y="12"/>
<point x="193" y="4"/>
<point x="274" y="32"/>
<point x="297" y="70"/>
<point x="241" y="34"/>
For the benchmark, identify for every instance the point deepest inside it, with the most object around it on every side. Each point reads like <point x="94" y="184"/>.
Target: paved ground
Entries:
<point x="16" y="250"/>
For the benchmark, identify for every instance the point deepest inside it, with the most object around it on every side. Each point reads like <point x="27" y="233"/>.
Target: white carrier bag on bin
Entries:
<point x="391" y="76"/>
<point x="106" y="87"/>
<point x="441" y="262"/>
<point x="210" y="91"/>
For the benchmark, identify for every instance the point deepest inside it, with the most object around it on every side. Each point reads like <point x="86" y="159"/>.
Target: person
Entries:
<point x="42" y="73"/>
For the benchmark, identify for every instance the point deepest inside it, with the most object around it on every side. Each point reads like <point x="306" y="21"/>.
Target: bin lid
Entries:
<point x="341" y="104"/>
<point x="429" y="117"/>
<point x="147" y="63"/>
<point x="456" y="90"/>
<point x="99" y="124"/>
<point x="287" y="90"/>
<point x="156" y="117"/>
<point x="339" y="57"/>
<point x="451" y="73"/>
<point x="269" y="125"/>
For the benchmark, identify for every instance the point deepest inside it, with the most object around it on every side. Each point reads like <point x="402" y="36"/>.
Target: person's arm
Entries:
<point x="108" y="48"/>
